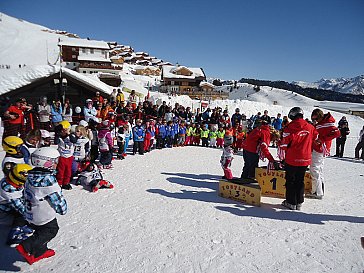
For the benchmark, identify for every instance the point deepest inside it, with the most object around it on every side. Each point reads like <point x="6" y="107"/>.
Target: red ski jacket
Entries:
<point x="259" y="140"/>
<point x="327" y="132"/>
<point x="297" y="141"/>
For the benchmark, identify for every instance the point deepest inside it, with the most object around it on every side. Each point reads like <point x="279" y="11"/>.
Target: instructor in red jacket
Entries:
<point x="327" y="131"/>
<point x="255" y="146"/>
<point x="297" y="141"/>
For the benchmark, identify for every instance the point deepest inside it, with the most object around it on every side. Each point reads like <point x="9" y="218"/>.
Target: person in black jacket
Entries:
<point x="266" y="118"/>
<point x="340" y="141"/>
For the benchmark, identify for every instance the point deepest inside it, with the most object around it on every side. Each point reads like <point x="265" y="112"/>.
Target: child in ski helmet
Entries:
<point x="12" y="146"/>
<point x="12" y="202"/>
<point x="43" y="199"/>
<point x="65" y="143"/>
<point x="227" y="157"/>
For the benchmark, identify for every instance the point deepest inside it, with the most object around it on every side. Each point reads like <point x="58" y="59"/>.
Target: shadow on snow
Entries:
<point x="8" y="255"/>
<point x="266" y="211"/>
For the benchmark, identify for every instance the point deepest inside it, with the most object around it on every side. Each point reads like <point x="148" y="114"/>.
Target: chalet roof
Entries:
<point x="115" y="57"/>
<point x="11" y="79"/>
<point x="170" y="70"/>
<point x="145" y="67"/>
<point x="156" y="61"/>
<point x="207" y="84"/>
<point x="142" y="53"/>
<point x="92" y="58"/>
<point x="84" y="43"/>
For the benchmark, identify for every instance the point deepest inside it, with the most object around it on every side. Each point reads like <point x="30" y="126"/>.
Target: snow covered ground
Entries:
<point x="165" y="215"/>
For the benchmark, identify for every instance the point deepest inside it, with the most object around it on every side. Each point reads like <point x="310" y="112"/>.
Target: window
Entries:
<point x="73" y="49"/>
<point x="92" y="50"/>
<point x="84" y="71"/>
<point x="83" y="50"/>
<point x="102" y="52"/>
<point x="73" y="56"/>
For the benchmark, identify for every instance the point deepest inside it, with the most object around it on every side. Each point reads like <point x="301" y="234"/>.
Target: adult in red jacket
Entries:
<point x="325" y="126"/>
<point x="255" y="146"/>
<point x="297" y="141"/>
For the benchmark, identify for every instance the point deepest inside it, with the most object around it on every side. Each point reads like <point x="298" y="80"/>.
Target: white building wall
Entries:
<point x="93" y="53"/>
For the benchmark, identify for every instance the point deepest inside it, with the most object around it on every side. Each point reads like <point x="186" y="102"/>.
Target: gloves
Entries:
<point x="277" y="165"/>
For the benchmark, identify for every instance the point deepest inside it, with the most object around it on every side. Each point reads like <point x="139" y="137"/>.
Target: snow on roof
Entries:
<point x="155" y="61"/>
<point x="84" y="43"/>
<point x="11" y="79"/>
<point x="207" y="84"/>
<point x="141" y="53"/>
<point x="170" y="70"/>
<point x="93" y="58"/>
<point x="145" y="67"/>
<point x="115" y="57"/>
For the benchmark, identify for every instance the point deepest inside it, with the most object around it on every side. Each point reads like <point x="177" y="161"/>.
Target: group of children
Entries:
<point x="35" y="175"/>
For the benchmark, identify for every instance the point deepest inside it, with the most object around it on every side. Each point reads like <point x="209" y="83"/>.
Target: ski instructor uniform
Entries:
<point x="297" y="141"/>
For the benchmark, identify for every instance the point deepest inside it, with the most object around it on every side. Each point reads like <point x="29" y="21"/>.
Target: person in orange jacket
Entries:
<point x="240" y="136"/>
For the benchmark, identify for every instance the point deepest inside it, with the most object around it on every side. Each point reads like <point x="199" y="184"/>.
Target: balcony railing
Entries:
<point x="100" y="66"/>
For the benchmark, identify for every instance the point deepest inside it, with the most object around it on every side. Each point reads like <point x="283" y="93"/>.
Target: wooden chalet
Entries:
<point x="87" y="56"/>
<point x="56" y="85"/>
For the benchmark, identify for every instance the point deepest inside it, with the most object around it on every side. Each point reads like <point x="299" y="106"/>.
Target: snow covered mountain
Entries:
<point x="353" y="86"/>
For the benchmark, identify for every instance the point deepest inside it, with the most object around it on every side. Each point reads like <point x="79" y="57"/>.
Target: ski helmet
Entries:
<point x="44" y="157"/>
<point x="78" y="109"/>
<point x="65" y="124"/>
<point x="295" y="112"/>
<point x="18" y="175"/>
<point x="12" y="144"/>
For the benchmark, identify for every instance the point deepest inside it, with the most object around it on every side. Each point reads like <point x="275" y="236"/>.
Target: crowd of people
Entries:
<point x="87" y="140"/>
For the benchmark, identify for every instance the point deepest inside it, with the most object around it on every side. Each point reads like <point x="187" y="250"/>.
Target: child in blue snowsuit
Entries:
<point x="175" y="126"/>
<point x="138" y="137"/>
<point x="169" y="134"/>
<point x="161" y="134"/>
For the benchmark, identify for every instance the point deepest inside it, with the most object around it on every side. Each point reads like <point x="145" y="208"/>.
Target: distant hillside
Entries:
<point x="314" y="93"/>
<point x="353" y="86"/>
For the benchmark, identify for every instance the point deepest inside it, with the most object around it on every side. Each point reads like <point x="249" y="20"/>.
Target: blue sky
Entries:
<point x="264" y="39"/>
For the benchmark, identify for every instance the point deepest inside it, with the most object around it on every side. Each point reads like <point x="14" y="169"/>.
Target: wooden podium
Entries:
<point x="242" y="190"/>
<point x="273" y="182"/>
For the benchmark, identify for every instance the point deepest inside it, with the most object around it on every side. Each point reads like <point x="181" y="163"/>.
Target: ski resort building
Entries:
<point x="34" y="82"/>
<point x="182" y="80"/>
<point x="87" y="56"/>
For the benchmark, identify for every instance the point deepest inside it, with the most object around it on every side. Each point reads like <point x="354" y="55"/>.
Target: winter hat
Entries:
<point x="84" y="123"/>
<point x="228" y="140"/>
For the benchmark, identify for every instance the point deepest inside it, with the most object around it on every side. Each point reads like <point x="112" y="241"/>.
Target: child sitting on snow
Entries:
<point x="227" y="157"/>
<point x="90" y="176"/>
<point x="43" y="200"/>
